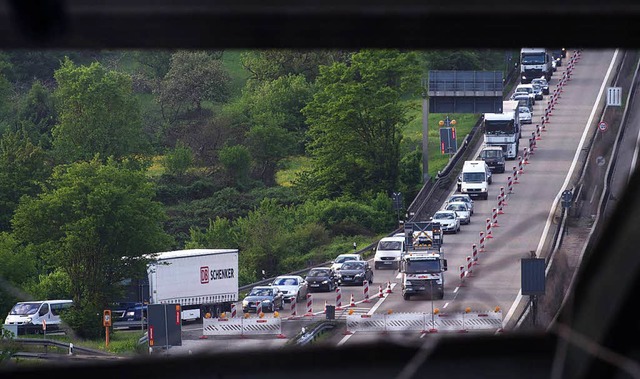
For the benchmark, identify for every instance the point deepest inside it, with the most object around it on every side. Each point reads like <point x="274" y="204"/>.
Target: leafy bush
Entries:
<point x="85" y="320"/>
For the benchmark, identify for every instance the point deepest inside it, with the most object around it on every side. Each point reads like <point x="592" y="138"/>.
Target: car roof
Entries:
<point x="463" y="196"/>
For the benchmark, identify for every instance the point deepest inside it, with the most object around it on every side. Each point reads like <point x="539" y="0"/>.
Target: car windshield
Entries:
<point x="286" y="282"/>
<point x="444" y="216"/>
<point x="352" y="266"/>
<point x="261" y="292"/>
<point x="456" y="207"/>
<point x="317" y="272"/>
<point x="492" y="153"/>
<point x="389" y="245"/>
<point x="344" y="259"/>
<point x="25" y="309"/>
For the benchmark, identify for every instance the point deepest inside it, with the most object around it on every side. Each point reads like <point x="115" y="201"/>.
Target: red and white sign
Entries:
<point x="602" y="126"/>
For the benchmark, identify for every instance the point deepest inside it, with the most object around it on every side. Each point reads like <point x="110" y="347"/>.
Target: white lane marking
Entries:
<point x="595" y="189"/>
<point x="445" y="305"/>
<point x="518" y="299"/>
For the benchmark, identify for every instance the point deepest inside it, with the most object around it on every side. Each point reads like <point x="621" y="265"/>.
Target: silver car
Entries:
<point x="462" y="210"/>
<point x="449" y="221"/>
<point x="462" y="197"/>
<point x="293" y="287"/>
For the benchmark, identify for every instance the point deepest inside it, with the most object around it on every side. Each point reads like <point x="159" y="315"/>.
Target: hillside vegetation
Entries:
<point x="289" y="156"/>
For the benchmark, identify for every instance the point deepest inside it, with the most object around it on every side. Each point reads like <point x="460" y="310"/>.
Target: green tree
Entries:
<point x="18" y="268"/>
<point x="93" y="222"/>
<point x="268" y="65"/>
<point x="355" y="124"/>
<point x="23" y="167"/>
<point x="469" y="60"/>
<point x="98" y="113"/>
<point x="268" y="146"/>
<point x="236" y="161"/>
<point x="155" y="63"/>
<point x="263" y="232"/>
<point x="37" y="115"/>
<point x="220" y="234"/>
<point x="279" y="103"/>
<point x="193" y="78"/>
<point x="179" y="160"/>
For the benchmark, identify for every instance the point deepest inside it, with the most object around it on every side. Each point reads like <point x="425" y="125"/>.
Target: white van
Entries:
<point x="388" y="252"/>
<point x="475" y="179"/>
<point x="30" y="315"/>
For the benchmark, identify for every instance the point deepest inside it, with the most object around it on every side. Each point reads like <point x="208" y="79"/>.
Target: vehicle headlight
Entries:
<point x="245" y="303"/>
<point x="325" y="281"/>
<point x="359" y="275"/>
<point x="407" y="283"/>
<point x="266" y="301"/>
<point x="130" y="313"/>
<point x="338" y="275"/>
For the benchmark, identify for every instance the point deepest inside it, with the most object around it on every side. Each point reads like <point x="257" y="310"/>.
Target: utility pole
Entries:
<point x="425" y="132"/>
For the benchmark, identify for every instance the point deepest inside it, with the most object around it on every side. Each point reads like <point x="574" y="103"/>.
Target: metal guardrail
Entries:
<point x="311" y="335"/>
<point x="70" y="349"/>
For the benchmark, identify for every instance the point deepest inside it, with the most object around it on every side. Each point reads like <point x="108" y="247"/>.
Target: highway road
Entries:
<point x="522" y="230"/>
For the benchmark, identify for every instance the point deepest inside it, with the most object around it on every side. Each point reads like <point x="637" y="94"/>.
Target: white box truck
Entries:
<point x="200" y="280"/>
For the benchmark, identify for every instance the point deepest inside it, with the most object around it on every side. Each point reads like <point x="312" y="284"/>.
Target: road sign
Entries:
<point x="448" y="141"/>
<point x="614" y="96"/>
<point x="602" y="126"/>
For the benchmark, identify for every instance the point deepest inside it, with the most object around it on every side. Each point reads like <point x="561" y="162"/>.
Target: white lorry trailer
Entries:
<point x="534" y="63"/>
<point x="200" y="280"/>
<point x="422" y="265"/>
<point x="503" y="129"/>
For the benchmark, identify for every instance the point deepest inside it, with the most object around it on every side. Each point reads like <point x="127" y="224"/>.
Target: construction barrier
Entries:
<point x="425" y="322"/>
<point x="222" y="326"/>
<point x="366" y="323"/>
<point x="400" y="322"/>
<point x="366" y="292"/>
<point x="254" y="326"/>
<point x="309" y="305"/>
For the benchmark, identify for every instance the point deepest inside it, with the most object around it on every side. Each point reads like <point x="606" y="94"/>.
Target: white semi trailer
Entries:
<point x="200" y="280"/>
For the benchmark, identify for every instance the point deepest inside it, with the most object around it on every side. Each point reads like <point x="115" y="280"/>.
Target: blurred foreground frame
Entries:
<point x="601" y="310"/>
<point x="199" y="24"/>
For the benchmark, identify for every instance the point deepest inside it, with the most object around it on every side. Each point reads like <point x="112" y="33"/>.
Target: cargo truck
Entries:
<point x="422" y="265"/>
<point x="534" y="63"/>
<point x="202" y="281"/>
<point x="503" y="129"/>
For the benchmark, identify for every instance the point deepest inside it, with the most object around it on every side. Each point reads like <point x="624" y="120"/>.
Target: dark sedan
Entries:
<point x="270" y="298"/>
<point x="321" y="279"/>
<point x="355" y="272"/>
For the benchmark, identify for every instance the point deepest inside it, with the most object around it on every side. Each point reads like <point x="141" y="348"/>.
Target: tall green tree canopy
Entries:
<point x="355" y="123"/>
<point x="90" y="219"/>
<point x="98" y="113"/>
<point x="193" y="78"/>
<point x="23" y="167"/>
